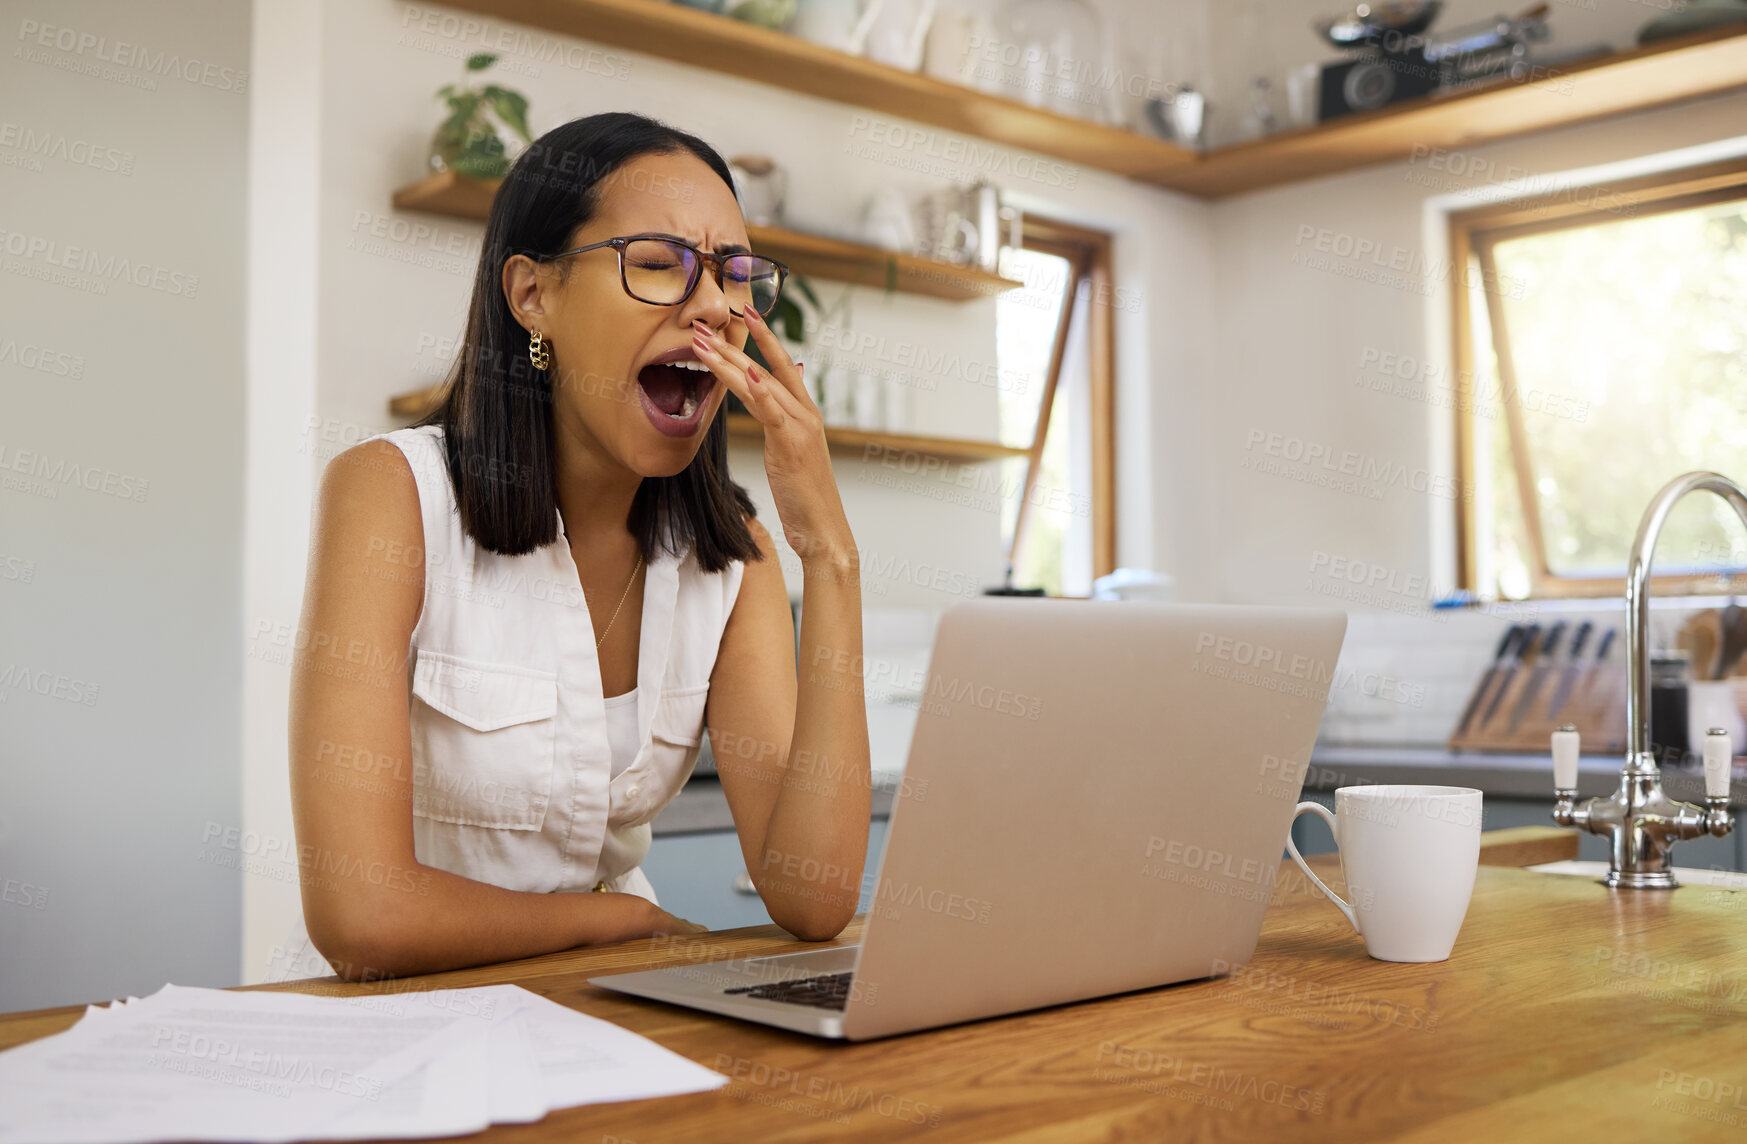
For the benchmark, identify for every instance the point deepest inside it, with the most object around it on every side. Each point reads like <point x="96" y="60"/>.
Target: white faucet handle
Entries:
<point x="1719" y="753"/>
<point x="1565" y="749"/>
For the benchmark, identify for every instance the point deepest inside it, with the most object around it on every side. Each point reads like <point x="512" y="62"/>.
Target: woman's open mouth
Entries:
<point x="674" y="395"/>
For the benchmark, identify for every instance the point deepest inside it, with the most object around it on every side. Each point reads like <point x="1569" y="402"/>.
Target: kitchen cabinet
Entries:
<point x="694" y="877"/>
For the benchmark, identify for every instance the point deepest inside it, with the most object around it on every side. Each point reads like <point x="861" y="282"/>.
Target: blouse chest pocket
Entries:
<point x="679" y="716"/>
<point x="484" y="740"/>
<point x="675" y="732"/>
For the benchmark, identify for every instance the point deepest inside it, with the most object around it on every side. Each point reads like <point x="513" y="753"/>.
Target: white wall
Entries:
<point x="122" y="174"/>
<point x="1295" y="322"/>
<point x="286" y="444"/>
<point x="1302" y="335"/>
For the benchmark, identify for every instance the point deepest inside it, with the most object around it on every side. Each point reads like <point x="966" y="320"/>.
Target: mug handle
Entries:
<point x="1344" y="907"/>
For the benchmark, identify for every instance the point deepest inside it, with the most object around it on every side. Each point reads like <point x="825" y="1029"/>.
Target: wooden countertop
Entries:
<point x="1566" y="1012"/>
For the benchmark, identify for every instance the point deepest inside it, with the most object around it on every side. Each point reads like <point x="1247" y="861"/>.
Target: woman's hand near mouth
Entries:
<point x="803" y="835"/>
<point x="796" y="457"/>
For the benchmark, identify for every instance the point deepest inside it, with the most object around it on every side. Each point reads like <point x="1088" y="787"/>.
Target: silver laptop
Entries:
<point x="1096" y="800"/>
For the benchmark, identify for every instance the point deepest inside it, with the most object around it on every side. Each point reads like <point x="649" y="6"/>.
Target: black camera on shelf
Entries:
<point x="1386" y="73"/>
<point x="1397" y="58"/>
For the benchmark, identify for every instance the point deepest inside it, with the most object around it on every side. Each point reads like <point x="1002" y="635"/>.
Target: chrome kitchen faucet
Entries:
<point x="1642" y="824"/>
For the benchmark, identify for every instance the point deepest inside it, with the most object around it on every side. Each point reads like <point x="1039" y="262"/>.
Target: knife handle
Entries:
<point x="1550" y="646"/>
<point x="1504" y="644"/>
<point x="1578" y="641"/>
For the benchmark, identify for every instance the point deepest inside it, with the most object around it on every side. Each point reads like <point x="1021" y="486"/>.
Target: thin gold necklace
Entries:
<point x="622" y="598"/>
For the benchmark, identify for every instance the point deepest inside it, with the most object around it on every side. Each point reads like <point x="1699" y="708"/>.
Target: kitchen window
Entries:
<point x="1601" y="350"/>
<point x="1055" y="348"/>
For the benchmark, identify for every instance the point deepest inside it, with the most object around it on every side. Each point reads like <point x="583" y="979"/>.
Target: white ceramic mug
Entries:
<point x="1410" y="855"/>
<point x="947" y="52"/>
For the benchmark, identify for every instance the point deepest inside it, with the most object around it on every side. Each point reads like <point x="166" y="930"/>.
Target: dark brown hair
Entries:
<point x="496" y="410"/>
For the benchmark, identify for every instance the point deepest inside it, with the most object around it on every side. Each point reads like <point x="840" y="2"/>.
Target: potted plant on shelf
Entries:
<point x="468" y="140"/>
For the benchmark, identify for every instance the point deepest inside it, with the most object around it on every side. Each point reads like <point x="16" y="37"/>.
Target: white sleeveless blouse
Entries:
<point x="513" y="781"/>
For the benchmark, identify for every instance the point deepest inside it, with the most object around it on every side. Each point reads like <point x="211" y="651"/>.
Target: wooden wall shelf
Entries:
<point x="415" y="403"/>
<point x="817" y="256"/>
<point x="743" y="429"/>
<point x="446" y="193"/>
<point x="1668" y="72"/>
<point x="814" y="255"/>
<point x="724" y="44"/>
<point x="1687" y="68"/>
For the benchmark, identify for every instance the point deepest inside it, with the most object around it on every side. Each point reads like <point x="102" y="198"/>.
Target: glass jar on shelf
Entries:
<point x="1052" y="56"/>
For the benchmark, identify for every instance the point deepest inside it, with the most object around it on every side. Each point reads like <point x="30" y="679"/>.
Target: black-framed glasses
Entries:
<point x="664" y="271"/>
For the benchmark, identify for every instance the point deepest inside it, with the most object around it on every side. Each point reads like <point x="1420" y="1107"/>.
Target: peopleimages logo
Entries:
<point x="56" y="145"/>
<point x="34" y="34"/>
<point x="1400" y="267"/>
<point x="176" y="1049"/>
<point x="820" y="1097"/>
<point x="1261" y="657"/>
<point x="938" y="689"/>
<point x="48" y="474"/>
<point x="79" y="260"/>
<point x="231" y="846"/>
<point x="485" y="36"/>
<point x="1209" y="860"/>
<point x="55" y="363"/>
<point x="861" y="347"/>
<point x="1130" y="1060"/>
<point x="918" y="145"/>
<point x="15" y="677"/>
<point x="1344" y="469"/>
<point x="1243" y="661"/>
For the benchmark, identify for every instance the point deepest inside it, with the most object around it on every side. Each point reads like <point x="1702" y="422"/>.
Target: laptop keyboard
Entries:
<point x="826" y="991"/>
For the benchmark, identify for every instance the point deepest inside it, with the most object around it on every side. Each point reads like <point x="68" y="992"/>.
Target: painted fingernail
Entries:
<point x="751" y="315"/>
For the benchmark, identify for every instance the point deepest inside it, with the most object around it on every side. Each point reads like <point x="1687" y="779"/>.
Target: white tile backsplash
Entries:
<point x="896" y="644"/>
<point x="1404" y="680"/>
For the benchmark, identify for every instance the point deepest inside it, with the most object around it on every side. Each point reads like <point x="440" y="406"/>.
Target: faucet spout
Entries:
<point x="1641" y="823"/>
<point x="1638" y="754"/>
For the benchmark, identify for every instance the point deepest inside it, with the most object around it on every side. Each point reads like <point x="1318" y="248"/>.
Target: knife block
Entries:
<point x="1596" y="706"/>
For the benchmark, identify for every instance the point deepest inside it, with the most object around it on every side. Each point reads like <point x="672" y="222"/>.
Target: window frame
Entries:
<point x="1089" y="256"/>
<point x="1474" y="234"/>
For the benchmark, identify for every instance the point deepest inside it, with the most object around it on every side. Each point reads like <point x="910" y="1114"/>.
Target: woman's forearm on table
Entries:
<point x="428" y="920"/>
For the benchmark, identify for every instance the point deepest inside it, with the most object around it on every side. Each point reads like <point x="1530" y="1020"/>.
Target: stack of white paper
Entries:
<point x="209" y="1064"/>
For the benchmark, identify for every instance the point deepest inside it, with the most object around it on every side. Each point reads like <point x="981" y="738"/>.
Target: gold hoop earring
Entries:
<point x="539" y="350"/>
